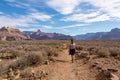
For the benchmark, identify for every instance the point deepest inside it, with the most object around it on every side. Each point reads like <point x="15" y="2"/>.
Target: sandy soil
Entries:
<point x="62" y="68"/>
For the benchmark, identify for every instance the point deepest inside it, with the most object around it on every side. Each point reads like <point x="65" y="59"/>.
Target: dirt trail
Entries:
<point x="62" y="68"/>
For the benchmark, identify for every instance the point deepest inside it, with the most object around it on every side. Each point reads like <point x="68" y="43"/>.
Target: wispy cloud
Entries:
<point x="47" y="27"/>
<point x="72" y="26"/>
<point x="79" y="17"/>
<point x="78" y="13"/>
<point x="103" y="17"/>
<point x="110" y="7"/>
<point x="106" y="10"/>
<point x="10" y="0"/>
<point x="39" y="16"/>
<point x="90" y="17"/>
<point x="23" y="20"/>
<point x="63" y="28"/>
<point x="20" y="5"/>
<point x="65" y="7"/>
<point x="26" y="4"/>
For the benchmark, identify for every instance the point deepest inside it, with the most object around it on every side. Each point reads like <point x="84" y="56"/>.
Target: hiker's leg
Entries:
<point x="72" y="57"/>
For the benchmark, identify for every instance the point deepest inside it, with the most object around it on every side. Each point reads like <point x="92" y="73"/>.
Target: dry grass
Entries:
<point x="10" y="53"/>
<point x="114" y="52"/>
<point x="100" y="48"/>
<point x="20" y="55"/>
<point x="103" y="52"/>
<point x="79" y="47"/>
<point x="30" y="59"/>
<point x="52" y="51"/>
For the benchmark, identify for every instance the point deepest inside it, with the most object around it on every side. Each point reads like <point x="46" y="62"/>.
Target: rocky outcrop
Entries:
<point x="9" y="30"/>
<point x="8" y="33"/>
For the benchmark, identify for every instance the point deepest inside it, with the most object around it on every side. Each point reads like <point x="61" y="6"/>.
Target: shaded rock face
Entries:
<point x="8" y="33"/>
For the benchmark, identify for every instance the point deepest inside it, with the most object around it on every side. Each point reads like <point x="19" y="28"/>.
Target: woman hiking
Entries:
<point x="72" y="49"/>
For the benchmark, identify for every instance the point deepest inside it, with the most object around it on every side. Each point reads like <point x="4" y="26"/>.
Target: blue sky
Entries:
<point x="70" y="17"/>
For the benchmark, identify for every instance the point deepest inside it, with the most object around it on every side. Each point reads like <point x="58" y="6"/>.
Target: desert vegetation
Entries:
<point x="101" y="59"/>
<point x="100" y="48"/>
<point x="24" y="60"/>
<point x="20" y="55"/>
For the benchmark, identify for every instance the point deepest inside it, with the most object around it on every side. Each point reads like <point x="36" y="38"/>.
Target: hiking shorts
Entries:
<point x="72" y="51"/>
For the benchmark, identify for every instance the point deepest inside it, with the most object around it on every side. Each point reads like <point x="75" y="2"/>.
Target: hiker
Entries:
<point x="72" y="50"/>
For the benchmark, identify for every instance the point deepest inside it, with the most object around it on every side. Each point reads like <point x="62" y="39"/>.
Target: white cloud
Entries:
<point x="79" y="17"/>
<point x="47" y="27"/>
<point x="71" y="26"/>
<point x="111" y="7"/>
<point x="102" y="17"/>
<point x="40" y="16"/>
<point x="101" y="10"/>
<point x="23" y="20"/>
<point x="104" y="10"/>
<point x="20" y="5"/>
<point x="107" y="10"/>
<point x="26" y="4"/>
<point x="91" y="17"/>
<point x="63" y="6"/>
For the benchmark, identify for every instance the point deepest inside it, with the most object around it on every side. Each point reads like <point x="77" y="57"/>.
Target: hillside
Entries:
<point x="39" y="35"/>
<point x="112" y="35"/>
<point x="8" y="33"/>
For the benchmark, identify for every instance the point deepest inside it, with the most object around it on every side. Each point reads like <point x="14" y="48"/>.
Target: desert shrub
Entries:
<point x="92" y="50"/>
<point x="6" y="53"/>
<point x="26" y="73"/>
<point x="114" y="52"/>
<point x="7" y="56"/>
<point x="30" y="59"/>
<point x="10" y="53"/>
<point x="103" y="52"/>
<point x="0" y="42"/>
<point x="79" y="47"/>
<point x="52" y="51"/>
<point x="34" y="58"/>
<point x="52" y="43"/>
<point x="44" y="53"/>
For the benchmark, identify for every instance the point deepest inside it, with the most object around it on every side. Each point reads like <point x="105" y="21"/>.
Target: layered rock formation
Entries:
<point x="8" y="33"/>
